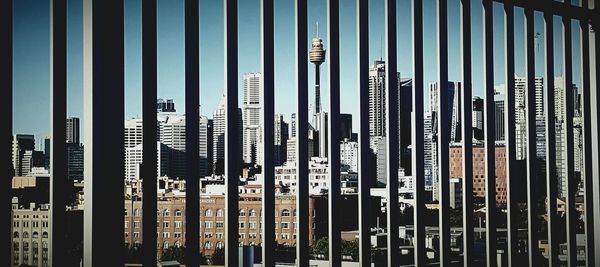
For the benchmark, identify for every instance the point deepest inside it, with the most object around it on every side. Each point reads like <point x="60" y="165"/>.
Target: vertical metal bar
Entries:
<point x="150" y="161"/>
<point x="6" y="111"/>
<point x="467" y="132"/>
<point x="571" y="186"/>
<point x="392" y="144"/>
<point x="509" y="128"/>
<point x="531" y="161"/>
<point x="364" y="174"/>
<point x="594" y="50"/>
<point x="302" y="157"/>
<point x="584" y="29"/>
<point x="595" y="127"/>
<point x="443" y="131"/>
<point x="268" y="135"/>
<point x="333" y="54"/>
<point x="551" y="182"/>
<point x="192" y="128"/>
<point x="232" y="138"/>
<point x="103" y="80"/>
<point x="490" y="146"/>
<point x="58" y="82"/>
<point x="417" y="139"/>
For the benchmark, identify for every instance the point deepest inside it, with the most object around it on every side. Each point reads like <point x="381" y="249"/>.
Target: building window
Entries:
<point x="16" y="235"/>
<point x="242" y="225"/>
<point x="252" y="213"/>
<point x="208" y="245"/>
<point x="177" y="213"/>
<point x="219" y="213"/>
<point x="285" y="213"/>
<point x="208" y="213"/>
<point x="220" y="224"/>
<point x="242" y="213"/>
<point x="285" y="225"/>
<point x="252" y="225"/>
<point x="166" y="213"/>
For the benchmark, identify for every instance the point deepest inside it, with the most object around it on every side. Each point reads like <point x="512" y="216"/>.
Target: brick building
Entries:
<point x="479" y="170"/>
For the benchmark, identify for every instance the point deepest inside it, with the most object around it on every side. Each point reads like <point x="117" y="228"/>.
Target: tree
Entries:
<point x="133" y="253"/>
<point x="174" y="253"/>
<point x="321" y="247"/>
<point x="218" y="257"/>
<point x="350" y="248"/>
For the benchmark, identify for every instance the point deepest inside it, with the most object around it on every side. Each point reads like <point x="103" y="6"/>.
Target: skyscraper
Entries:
<point x="499" y="99"/>
<point x="172" y="134"/>
<point x="73" y="130"/>
<point x="163" y="105"/>
<point x="377" y="99"/>
<point x="281" y="137"/>
<point x="219" y="116"/>
<point x="133" y="132"/>
<point x="23" y="147"/>
<point x="133" y="161"/>
<point x="478" y="118"/>
<point x="345" y="126"/>
<point x="454" y="107"/>
<point x="251" y="112"/>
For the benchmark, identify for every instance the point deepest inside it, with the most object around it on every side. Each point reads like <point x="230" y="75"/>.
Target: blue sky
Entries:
<point x="31" y="53"/>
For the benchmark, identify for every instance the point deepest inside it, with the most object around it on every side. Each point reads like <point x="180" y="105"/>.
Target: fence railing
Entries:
<point x="104" y="101"/>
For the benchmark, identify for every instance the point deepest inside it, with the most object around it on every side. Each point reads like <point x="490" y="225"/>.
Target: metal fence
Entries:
<point x="104" y="101"/>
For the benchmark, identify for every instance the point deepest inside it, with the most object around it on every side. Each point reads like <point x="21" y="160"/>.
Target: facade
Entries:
<point x="30" y="230"/>
<point x="349" y="156"/>
<point x="377" y="99"/>
<point x="165" y="105"/>
<point x="133" y="161"/>
<point x="171" y="221"/>
<point x="281" y="139"/>
<point x="172" y="134"/>
<point x="73" y="130"/>
<point x="218" y="128"/>
<point x="75" y="157"/>
<point x="22" y="152"/>
<point x="478" y="114"/>
<point x="479" y="170"/>
<point x="251" y="111"/>
<point x="317" y="170"/>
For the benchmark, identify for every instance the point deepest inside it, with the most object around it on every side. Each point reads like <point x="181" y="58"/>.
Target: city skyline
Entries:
<point x="31" y="30"/>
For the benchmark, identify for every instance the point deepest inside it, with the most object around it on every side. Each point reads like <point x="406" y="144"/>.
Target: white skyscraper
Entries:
<point x="377" y="99"/>
<point x="219" y="116"/>
<point x="133" y="160"/>
<point x="251" y="111"/>
<point x="349" y="156"/>
<point x="133" y="132"/>
<point x="172" y="134"/>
